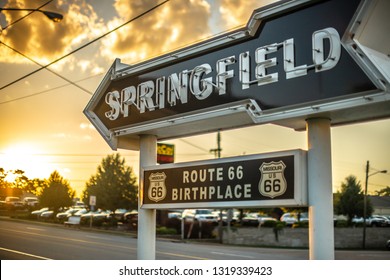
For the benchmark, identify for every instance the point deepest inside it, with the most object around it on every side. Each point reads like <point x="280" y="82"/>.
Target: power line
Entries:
<point x="48" y="69"/>
<point x="85" y="45"/>
<point x="195" y="146"/>
<point x="12" y="23"/>
<point x="48" y="90"/>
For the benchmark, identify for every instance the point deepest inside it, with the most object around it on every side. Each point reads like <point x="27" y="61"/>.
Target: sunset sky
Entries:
<point x="42" y="125"/>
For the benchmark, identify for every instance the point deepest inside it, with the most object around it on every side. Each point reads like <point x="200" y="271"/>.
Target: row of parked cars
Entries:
<point x="210" y="216"/>
<point x="83" y="216"/>
<point x="15" y="203"/>
<point x="373" y="221"/>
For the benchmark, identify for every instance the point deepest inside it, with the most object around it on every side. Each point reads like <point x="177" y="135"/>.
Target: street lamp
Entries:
<point x="51" y="15"/>
<point x="365" y="200"/>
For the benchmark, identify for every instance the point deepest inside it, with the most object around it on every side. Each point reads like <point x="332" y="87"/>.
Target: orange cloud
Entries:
<point x="237" y="12"/>
<point x="43" y="40"/>
<point x="172" y="25"/>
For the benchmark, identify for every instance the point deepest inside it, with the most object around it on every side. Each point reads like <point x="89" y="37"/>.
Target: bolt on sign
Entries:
<point x="263" y="180"/>
<point x="165" y="153"/>
<point x="293" y="60"/>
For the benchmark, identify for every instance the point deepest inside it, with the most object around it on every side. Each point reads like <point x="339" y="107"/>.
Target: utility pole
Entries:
<point x="217" y="154"/>
<point x="365" y="200"/>
<point x="217" y="151"/>
<point x="365" y="205"/>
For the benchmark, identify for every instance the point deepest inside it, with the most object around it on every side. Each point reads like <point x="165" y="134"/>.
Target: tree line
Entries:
<point x="114" y="185"/>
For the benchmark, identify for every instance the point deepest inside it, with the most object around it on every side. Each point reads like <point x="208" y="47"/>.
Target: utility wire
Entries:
<point x="48" y="90"/>
<point x="48" y="69"/>
<point x="32" y="60"/>
<point x="195" y="146"/>
<point x="12" y="23"/>
<point x="87" y="44"/>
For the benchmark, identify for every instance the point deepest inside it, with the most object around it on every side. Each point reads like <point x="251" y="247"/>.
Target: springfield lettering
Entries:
<point x="205" y="80"/>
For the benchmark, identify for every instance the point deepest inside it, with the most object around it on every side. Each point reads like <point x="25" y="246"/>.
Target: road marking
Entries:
<point x="179" y="255"/>
<point x="232" y="255"/>
<point x="34" y="228"/>
<point x="24" y="254"/>
<point x="97" y="237"/>
<point x="70" y="239"/>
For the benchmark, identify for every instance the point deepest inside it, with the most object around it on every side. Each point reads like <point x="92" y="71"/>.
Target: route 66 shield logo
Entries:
<point x="157" y="189"/>
<point x="272" y="182"/>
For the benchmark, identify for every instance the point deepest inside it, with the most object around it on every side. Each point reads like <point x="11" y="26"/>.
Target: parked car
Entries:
<point x="63" y="216"/>
<point x="31" y="202"/>
<point x="37" y="213"/>
<point x="13" y="202"/>
<point x="255" y="219"/>
<point x="235" y="216"/>
<point x="204" y="215"/>
<point x="80" y="212"/>
<point x="131" y="219"/>
<point x="119" y="214"/>
<point x="98" y="217"/>
<point x="289" y="219"/>
<point x="373" y="221"/>
<point x="174" y="215"/>
<point x="47" y="215"/>
<point x="387" y="220"/>
<point x="376" y="221"/>
<point x="357" y="220"/>
<point x="250" y="219"/>
<point x="264" y="219"/>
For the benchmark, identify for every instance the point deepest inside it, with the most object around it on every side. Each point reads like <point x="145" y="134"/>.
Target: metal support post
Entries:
<point x="321" y="232"/>
<point x="146" y="244"/>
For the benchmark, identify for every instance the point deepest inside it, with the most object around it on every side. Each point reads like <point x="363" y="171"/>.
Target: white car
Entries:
<point x="289" y="218"/>
<point x="204" y="215"/>
<point x="31" y="201"/>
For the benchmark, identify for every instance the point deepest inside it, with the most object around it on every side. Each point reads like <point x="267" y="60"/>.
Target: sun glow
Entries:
<point x="28" y="158"/>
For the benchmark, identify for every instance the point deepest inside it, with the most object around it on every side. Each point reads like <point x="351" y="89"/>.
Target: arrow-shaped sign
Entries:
<point x="293" y="60"/>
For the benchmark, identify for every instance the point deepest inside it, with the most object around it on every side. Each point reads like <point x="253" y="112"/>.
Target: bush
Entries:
<point x="280" y="225"/>
<point x="269" y="224"/>
<point x="300" y="225"/>
<point x="341" y="223"/>
<point x="205" y="230"/>
<point x="165" y="230"/>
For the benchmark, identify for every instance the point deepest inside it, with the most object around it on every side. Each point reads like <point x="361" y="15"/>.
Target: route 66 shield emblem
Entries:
<point x="157" y="189"/>
<point x="272" y="182"/>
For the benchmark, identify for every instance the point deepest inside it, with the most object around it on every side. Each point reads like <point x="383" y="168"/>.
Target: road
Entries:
<point x="30" y="241"/>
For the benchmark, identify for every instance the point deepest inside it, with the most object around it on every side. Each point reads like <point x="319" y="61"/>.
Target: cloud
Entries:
<point x="235" y="13"/>
<point x="43" y="40"/>
<point x="174" y="24"/>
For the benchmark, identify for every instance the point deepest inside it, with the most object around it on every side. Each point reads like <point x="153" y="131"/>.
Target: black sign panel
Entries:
<point x="277" y="179"/>
<point x="173" y="88"/>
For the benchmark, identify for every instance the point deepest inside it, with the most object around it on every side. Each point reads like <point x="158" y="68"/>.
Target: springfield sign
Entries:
<point x="293" y="60"/>
<point x="276" y="179"/>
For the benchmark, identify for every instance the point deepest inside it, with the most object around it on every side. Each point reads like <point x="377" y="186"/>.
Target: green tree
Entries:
<point x="3" y="183"/>
<point x="21" y="180"/>
<point x="57" y="193"/>
<point x="350" y="200"/>
<point x="384" y="192"/>
<point x="35" y="186"/>
<point x="114" y="185"/>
